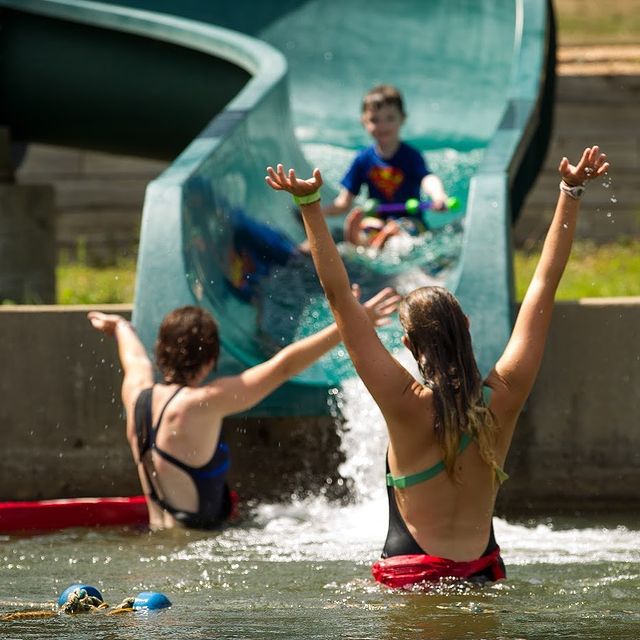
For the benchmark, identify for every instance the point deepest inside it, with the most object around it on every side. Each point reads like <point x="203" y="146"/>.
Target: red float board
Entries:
<point x="49" y="515"/>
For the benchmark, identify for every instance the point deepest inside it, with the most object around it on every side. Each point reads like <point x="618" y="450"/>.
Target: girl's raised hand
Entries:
<point x="381" y="306"/>
<point x="105" y="322"/>
<point x="281" y="181"/>
<point x="593" y="164"/>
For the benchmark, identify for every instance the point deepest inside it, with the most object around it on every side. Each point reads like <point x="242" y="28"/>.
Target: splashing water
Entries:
<point x="316" y="529"/>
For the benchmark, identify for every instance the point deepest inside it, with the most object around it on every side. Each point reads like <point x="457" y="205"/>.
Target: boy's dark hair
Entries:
<point x="381" y="95"/>
<point x="187" y="340"/>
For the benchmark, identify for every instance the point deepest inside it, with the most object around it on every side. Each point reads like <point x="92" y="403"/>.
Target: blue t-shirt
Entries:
<point x="394" y="179"/>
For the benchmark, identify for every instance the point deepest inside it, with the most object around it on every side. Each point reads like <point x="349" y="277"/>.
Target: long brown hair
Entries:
<point x="440" y="341"/>
<point x="187" y="340"/>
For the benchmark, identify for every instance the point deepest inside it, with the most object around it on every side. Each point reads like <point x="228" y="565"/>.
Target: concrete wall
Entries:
<point x="27" y="244"/>
<point x="98" y="198"/>
<point x="62" y="423"/>
<point x="577" y="447"/>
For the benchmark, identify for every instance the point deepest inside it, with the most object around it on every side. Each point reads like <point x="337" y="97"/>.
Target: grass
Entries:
<point x="582" y="22"/>
<point x="79" y="283"/>
<point x="593" y="271"/>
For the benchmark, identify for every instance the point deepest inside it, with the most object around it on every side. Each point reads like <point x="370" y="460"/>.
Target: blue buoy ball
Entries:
<point x="151" y="600"/>
<point x="92" y="591"/>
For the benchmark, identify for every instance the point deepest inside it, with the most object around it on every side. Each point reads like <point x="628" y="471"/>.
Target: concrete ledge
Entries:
<point x="62" y="421"/>
<point x="577" y="447"/>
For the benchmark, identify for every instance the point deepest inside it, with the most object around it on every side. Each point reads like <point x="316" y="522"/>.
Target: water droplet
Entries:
<point x="613" y="199"/>
<point x="608" y="214"/>
<point x="565" y="225"/>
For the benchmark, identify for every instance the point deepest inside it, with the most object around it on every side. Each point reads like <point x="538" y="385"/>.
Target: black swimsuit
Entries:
<point x="400" y="542"/>
<point x="214" y="502"/>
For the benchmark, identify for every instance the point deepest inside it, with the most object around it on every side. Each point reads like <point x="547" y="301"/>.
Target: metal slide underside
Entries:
<point x="226" y="91"/>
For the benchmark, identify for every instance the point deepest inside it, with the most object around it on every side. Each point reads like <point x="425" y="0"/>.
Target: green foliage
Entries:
<point x="594" y="271"/>
<point x="79" y="283"/>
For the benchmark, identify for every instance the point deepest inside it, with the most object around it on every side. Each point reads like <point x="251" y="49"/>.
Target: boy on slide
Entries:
<point x="392" y="170"/>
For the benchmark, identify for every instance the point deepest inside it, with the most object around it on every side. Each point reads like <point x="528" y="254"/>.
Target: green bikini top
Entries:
<point x="402" y="482"/>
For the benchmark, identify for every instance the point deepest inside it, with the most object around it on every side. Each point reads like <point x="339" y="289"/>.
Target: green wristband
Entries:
<point x="310" y="199"/>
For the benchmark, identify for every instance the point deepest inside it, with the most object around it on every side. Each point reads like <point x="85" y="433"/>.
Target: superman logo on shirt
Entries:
<point x="387" y="180"/>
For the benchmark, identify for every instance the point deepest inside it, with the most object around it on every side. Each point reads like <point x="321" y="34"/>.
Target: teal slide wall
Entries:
<point x="226" y="90"/>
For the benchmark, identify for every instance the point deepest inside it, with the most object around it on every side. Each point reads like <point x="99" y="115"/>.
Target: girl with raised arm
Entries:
<point x="449" y="433"/>
<point x="173" y="427"/>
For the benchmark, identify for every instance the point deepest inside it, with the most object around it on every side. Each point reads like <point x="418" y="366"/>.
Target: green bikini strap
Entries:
<point x="402" y="482"/>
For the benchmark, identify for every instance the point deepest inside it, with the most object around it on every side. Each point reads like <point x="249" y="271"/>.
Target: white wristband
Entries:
<point x="574" y="192"/>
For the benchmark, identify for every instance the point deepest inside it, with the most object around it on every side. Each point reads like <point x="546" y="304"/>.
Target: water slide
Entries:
<point x="222" y="91"/>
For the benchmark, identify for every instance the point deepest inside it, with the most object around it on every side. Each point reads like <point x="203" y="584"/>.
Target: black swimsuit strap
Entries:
<point x="174" y="461"/>
<point x="163" y="454"/>
<point x="166" y="404"/>
<point x="142" y="419"/>
<point x="147" y="436"/>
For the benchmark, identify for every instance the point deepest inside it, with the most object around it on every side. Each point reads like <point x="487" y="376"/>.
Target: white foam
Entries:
<point x="316" y="529"/>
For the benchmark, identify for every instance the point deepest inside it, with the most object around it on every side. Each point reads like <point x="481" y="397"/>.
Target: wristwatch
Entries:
<point x="574" y="192"/>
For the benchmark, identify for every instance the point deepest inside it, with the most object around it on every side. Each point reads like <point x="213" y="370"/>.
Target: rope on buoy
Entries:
<point x="25" y="615"/>
<point x="124" y="607"/>
<point x="80" y="601"/>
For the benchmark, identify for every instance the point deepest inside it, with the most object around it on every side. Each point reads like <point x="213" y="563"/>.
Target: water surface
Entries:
<point x="301" y="569"/>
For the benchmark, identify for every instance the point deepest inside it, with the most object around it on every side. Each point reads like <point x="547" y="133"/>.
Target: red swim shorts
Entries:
<point x="404" y="571"/>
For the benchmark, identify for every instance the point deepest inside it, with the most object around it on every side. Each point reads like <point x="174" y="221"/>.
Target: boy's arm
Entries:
<point x="341" y="203"/>
<point x="433" y="188"/>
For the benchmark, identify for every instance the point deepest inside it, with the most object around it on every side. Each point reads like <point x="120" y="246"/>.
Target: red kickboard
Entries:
<point x="49" y="515"/>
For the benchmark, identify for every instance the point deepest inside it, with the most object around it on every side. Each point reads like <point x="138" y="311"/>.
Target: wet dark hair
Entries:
<point x="440" y="341"/>
<point x="187" y="340"/>
<point x="383" y="95"/>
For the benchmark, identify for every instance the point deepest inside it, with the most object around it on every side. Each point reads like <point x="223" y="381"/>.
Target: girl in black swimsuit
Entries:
<point x="186" y="482"/>
<point x="429" y="420"/>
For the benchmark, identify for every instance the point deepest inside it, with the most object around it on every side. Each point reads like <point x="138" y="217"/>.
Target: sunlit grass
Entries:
<point x="594" y="271"/>
<point x="591" y="22"/>
<point x="79" y="283"/>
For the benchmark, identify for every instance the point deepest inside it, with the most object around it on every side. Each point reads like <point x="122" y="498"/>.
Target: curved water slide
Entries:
<point x="224" y="90"/>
